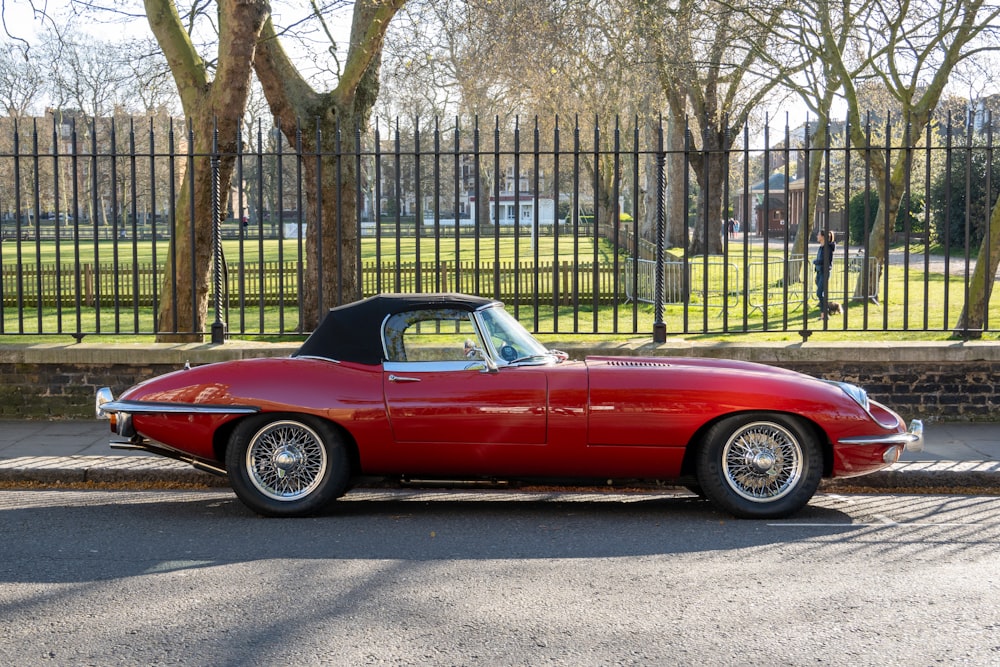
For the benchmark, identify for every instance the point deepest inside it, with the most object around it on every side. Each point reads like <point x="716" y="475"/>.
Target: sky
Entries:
<point x="24" y="18"/>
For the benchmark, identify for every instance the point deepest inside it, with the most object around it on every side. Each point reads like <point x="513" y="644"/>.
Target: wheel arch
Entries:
<point x="688" y="466"/>
<point x="223" y="434"/>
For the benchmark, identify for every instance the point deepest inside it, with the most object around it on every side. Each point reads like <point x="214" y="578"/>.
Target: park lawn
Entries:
<point x="726" y="314"/>
<point x="272" y="250"/>
<point x="861" y="320"/>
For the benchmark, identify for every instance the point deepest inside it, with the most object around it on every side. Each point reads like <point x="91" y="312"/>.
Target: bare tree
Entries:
<point x="84" y="73"/>
<point x="331" y="185"/>
<point x="21" y="80"/>
<point x="811" y="28"/>
<point x="912" y="48"/>
<point x="149" y="86"/>
<point x="576" y="64"/>
<point x="710" y="64"/>
<point x="214" y="107"/>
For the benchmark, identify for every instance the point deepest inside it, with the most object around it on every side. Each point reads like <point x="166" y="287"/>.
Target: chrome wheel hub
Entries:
<point x="286" y="460"/>
<point x="763" y="462"/>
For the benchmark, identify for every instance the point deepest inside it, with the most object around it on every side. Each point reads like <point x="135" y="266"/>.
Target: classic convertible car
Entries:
<point x="452" y="387"/>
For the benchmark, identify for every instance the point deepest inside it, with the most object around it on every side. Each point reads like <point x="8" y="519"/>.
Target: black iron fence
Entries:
<point x="603" y="229"/>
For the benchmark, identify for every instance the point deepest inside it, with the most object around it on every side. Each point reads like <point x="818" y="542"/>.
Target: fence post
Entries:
<point x="659" y="326"/>
<point x="218" y="326"/>
<point x="443" y="275"/>
<point x="89" y="298"/>
<point x="565" y="298"/>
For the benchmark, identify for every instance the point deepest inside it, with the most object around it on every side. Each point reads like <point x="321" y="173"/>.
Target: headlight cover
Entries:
<point x="859" y="395"/>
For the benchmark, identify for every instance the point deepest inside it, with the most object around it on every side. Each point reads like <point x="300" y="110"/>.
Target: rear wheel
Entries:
<point x="287" y="465"/>
<point x="760" y="466"/>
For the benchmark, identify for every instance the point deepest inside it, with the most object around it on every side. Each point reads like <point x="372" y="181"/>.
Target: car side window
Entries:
<point x="429" y="335"/>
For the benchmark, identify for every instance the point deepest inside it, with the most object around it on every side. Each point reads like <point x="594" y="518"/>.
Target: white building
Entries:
<point x="520" y="209"/>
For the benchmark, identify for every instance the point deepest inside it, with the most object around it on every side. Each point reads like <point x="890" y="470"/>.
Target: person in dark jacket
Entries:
<point x="822" y="264"/>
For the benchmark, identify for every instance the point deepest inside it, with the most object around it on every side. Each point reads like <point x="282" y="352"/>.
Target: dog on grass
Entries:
<point x="833" y="308"/>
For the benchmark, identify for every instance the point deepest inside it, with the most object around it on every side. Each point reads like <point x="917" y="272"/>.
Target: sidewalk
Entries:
<point x="956" y="455"/>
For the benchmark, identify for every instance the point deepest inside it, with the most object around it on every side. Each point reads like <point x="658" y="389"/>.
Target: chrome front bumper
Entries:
<point x="104" y="396"/>
<point x="106" y="408"/>
<point x="912" y="439"/>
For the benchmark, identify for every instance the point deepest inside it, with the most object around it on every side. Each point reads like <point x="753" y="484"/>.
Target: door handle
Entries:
<point x="401" y="378"/>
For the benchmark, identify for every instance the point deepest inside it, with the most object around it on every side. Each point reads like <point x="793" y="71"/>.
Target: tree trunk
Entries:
<point x="184" y="294"/>
<point x="710" y="167"/>
<point x="330" y="198"/>
<point x="334" y="191"/>
<point x="883" y="222"/>
<point x="676" y="193"/>
<point x="973" y="318"/>
<point x="810" y="210"/>
<point x="215" y="110"/>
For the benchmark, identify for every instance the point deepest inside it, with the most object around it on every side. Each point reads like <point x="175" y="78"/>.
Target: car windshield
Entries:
<point x="510" y="340"/>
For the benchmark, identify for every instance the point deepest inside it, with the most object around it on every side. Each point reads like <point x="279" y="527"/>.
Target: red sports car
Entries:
<point x="452" y="387"/>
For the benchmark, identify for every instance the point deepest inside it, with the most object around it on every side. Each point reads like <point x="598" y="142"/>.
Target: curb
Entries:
<point x="922" y="476"/>
<point x="107" y="470"/>
<point x="110" y="470"/>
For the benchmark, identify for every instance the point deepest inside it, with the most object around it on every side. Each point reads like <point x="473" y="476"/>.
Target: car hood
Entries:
<point x="724" y="365"/>
<point x="716" y="385"/>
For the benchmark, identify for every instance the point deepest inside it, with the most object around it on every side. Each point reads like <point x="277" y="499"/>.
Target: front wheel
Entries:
<point x="287" y="465"/>
<point x="760" y="466"/>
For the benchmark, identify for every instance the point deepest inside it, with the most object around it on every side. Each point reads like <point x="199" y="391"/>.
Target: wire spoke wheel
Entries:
<point x="287" y="464"/>
<point x="286" y="460"/>
<point x="760" y="465"/>
<point x="762" y="461"/>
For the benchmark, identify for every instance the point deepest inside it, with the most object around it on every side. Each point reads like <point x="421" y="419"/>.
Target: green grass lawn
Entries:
<point x="918" y="307"/>
<point x="269" y="250"/>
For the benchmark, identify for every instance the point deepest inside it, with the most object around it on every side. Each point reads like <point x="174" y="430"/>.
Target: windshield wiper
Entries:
<point x="529" y="357"/>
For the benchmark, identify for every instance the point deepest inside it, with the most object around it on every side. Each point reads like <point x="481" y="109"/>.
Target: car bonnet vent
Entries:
<point x="643" y="363"/>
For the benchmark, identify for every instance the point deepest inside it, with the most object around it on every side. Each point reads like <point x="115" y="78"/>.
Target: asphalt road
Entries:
<point x="493" y="578"/>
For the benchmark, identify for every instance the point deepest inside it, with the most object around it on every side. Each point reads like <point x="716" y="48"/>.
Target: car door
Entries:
<point x="439" y="389"/>
<point x="460" y="402"/>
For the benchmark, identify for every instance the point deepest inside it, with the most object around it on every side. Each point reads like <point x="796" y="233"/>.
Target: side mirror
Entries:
<point x="473" y="351"/>
<point x="491" y="366"/>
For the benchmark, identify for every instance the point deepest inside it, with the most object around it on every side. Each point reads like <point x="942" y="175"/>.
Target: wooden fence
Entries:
<point x="269" y="284"/>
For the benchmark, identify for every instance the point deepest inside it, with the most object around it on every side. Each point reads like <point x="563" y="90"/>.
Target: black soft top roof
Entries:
<point x="353" y="332"/>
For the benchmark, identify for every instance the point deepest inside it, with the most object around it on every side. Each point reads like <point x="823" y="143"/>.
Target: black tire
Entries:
<point x="759" y="465"/>
<point x="287" y="465"/>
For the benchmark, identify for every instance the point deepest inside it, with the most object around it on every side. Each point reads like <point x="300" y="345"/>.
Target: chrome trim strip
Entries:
<point x="154" y="407"/>
<point x="404" y="367"/>
<point x="317" y="358"/>
<point x="489" y="348"/>
<point x="912" y="439"/>
<point x="381" y="334"/>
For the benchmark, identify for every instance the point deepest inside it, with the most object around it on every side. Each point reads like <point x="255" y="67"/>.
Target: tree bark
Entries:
<point x="710" y="165"/>
<point x="973" y="318"/>
<point x="214" y="109"/>
<point x="331" y="182"/>
<point x="676" y="192"/>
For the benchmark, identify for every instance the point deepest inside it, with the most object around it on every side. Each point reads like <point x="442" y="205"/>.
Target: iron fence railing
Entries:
<point x="575" y="232"/>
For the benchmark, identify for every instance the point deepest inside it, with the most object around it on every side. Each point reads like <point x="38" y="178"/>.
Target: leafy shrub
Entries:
<point x="950" y="201"/>
<point x="857" y="218"/>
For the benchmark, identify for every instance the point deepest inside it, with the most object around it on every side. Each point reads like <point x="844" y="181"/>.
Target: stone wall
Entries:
<point x="59" y="381"/>
<point x="935" y="381"/>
